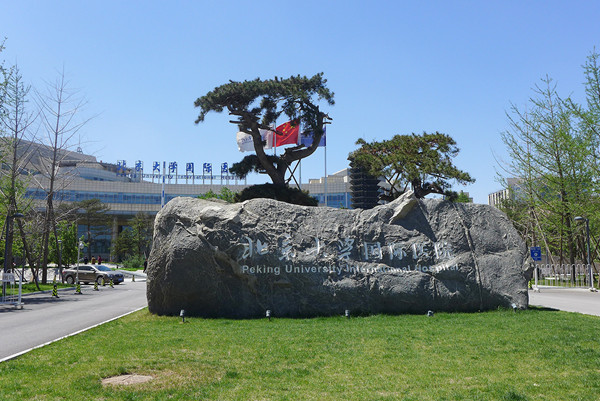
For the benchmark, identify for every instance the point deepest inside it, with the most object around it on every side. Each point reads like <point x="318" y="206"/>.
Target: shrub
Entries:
<point x="281" y="193"/>
<point x="134" y="262"/>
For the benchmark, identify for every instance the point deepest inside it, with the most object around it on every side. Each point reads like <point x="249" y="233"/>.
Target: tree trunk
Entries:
<point x="28" y="255"/>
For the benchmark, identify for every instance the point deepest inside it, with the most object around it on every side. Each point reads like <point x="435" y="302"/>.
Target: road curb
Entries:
<point x="47" y="291"/>
<point x="59" y="290"/>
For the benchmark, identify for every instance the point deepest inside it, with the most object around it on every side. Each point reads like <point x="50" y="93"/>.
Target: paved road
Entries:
<point x="44" y="319"/>
<point x="567" y="299"/>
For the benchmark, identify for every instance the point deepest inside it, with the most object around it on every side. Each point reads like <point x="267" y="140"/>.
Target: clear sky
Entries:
<point x="396" y="67"/>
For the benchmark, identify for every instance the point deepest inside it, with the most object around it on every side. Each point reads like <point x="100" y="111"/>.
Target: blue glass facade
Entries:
<point x="105" y="197"/>
<point x="338" y="200"/>
<point x="101" y="243"/>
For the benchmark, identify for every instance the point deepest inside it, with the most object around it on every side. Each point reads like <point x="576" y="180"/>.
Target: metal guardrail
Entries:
<point x="8" y="285"/>
<point x="565" y="275"/>
<point x="136" y="275"/>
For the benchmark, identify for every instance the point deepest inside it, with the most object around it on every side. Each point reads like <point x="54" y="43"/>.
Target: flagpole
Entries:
<point x="325" y="173"/>
<point x="162" y="196"/>
<point x="298" y="142"/>
<point x="275" y="140"/>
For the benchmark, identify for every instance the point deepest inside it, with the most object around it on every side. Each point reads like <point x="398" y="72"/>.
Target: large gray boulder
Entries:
<point x="238" y="260"/>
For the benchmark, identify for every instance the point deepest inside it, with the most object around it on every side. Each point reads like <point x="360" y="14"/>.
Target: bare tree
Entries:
<point x="60" y="110"/>
<point x="16" y="121"/>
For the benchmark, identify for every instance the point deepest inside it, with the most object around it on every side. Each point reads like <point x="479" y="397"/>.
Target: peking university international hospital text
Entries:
<point x="128" y="190"/>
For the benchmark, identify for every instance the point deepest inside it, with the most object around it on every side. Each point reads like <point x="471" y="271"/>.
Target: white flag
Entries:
<point x="246" y="144"/>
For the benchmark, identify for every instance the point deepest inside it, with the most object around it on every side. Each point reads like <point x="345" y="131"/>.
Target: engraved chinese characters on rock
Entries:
<point x="372" y="251"/>
<point x="316" y="250"/>
<point x="252" y="247"/>
<point x="443" y="251"/>
<point x="345" y="248"/>
<point x="396" y="251"/>
<point x="419" y="255"/>
<point x="286" y="251"/>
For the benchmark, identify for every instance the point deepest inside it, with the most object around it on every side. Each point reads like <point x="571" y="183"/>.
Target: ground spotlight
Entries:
<point x="182" y="315"/>
<point x="430" y="313"/>
<point x="268" y="314"/>
<point x="347" y="313"/>
<point x="514" y="306"/>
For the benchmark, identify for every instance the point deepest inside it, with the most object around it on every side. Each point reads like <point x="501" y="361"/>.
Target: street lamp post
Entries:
<point x="60" y="261"/>
<point x="589" y="259"/>
<point x="79" y="248"/>
<point x="9" y="219"/>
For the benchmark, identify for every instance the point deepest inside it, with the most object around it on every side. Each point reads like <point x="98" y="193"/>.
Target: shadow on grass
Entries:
<point x="542" y="309"/>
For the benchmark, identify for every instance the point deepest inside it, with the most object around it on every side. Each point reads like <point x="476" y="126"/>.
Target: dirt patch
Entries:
<point x="126" y="380"/>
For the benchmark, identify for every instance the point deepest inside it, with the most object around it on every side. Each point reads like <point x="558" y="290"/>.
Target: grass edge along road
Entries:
<point x="500" y="355"/>
<point x="30" y="288"/>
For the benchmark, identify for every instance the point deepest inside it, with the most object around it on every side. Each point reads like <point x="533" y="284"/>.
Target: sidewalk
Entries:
<point x="578" y="300"/>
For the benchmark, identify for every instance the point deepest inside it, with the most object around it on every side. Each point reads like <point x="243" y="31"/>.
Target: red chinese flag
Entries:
<point x="287" y="134"/>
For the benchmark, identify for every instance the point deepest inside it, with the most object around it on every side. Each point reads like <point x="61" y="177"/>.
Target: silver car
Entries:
<point x="90" y="273"/>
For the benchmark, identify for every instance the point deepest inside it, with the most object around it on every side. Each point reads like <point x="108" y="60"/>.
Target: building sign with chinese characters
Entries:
<point x="171" y="171"/>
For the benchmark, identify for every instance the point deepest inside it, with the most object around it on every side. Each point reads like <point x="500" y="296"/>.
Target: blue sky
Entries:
<point x="396" y="67"/>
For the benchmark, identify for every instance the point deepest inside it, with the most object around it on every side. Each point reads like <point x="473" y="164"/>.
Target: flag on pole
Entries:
<point x="246" y="143"/>
<point x="267" y="137"/>
<point x="306" y="138"/>
<point x="287" y="133"/>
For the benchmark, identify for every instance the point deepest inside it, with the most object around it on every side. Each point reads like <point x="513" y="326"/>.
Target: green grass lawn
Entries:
<point x="501" y="355"/>
<point x="30" y="287"/>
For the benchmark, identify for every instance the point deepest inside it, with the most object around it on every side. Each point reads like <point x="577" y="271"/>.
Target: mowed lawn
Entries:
<point x="499" y="355"/>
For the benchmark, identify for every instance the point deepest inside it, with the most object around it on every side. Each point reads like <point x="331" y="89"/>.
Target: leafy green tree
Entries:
<point x="552" y="160"/>
<point x="225" y="194"/>
<point x="462" y="198"/>
<point x="134" y="262"/>
<point x="124" y="246"/>
<point x="67" y="234"/>
<point x="33" y="231"/>
<point x="554" y="150"/>
<point x="257" y="104"/>
<point x="135" y="240"/>
<point x="423" y="162"/>
<point x="277" y="192"/>
<point x="588" y="116"/>
<point x="93" y="214"/>
<point x="589" y="124"/>
<point x="517" y="210"/>
<point x="63" y="249"/>
<point x="142" y="229"/>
